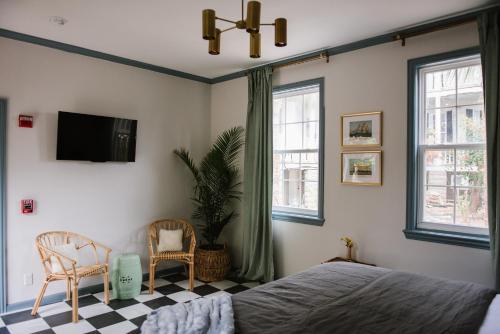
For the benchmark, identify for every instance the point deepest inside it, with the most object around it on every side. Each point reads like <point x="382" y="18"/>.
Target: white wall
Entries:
<point x="110" y="202"/>
<point x="364" y="80"/>
<point x="228" y="108"/>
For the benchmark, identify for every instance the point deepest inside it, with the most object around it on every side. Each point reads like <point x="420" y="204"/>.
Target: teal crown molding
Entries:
<point x="100" y="55"/>
<point x="372" y="41"/>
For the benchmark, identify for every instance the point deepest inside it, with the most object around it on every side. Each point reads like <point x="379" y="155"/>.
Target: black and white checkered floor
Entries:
<point x="120" y="316"/>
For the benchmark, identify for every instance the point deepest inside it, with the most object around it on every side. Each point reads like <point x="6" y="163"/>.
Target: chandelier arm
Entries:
<point x="231" y="28"/>
<point x="242" y="11"/>
<point x="267" y="24"/>
<point x="225" y="20"/>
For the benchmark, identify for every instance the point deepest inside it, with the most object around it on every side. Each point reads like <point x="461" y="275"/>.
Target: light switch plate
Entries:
<point x="28" y="279"/>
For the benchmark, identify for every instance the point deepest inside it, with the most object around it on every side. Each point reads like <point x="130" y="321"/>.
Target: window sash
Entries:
<point x="421" y="223"/>
<point x="452" y="64"/>
<point x="307" y="89"/>
<point x="453" y="228"/>
<point x="422" y="147"/>
<point x="305" y="150"/>
<point x="454" y="107"/>
<point x="293" y="210"/>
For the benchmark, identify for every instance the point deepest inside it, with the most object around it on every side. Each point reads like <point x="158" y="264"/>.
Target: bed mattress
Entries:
<point x="351" y="298"/>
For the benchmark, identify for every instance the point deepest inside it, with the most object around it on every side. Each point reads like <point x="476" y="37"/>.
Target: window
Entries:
<point x="298" y="125"/>
<point x="447" y="199"/>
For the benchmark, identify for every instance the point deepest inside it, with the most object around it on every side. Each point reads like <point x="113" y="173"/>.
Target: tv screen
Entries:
<point x="95" y="138"/>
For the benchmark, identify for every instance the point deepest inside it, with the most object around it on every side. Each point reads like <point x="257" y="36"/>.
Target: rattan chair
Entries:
<point x="185" y="256"/>
<point x="69" y="270"/>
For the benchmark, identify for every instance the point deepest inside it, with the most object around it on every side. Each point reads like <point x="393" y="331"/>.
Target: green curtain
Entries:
<point x="257" y="261"/>
<point x="489" y="41"/>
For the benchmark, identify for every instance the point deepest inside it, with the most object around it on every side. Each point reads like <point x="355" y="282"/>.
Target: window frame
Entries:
<point x="318" y="219"/>
<point x="414" y="160"/>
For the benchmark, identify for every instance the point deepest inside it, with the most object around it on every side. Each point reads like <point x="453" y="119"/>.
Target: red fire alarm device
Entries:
<point x="27" y="206"/>
<point x="25" y="121"/>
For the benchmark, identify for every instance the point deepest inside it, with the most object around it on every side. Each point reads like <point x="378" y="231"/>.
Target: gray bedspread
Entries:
<point x="350" y="298"/>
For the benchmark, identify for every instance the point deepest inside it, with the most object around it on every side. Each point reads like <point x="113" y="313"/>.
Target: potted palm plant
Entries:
<point x="217" y="184"/>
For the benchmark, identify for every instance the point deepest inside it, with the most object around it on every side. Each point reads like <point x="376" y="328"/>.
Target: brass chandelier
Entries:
<point x="251" y="24"/>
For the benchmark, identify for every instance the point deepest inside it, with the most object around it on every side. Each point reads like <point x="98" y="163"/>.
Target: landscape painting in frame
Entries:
<point x="362" y="129"/>
<point x="362" y="168"/>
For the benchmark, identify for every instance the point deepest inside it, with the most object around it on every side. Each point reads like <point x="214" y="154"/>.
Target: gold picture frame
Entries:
<point x="362" y="129"/>
<point x="372" y="172"/>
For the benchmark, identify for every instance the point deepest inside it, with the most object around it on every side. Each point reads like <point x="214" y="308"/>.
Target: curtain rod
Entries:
<point x="403" y="35"/>
<point x="322" y="55"/>
<point x="302" y="60"/>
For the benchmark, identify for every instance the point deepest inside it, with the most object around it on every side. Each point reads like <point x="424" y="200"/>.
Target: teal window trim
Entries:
<point x="412" y="231"/>
<point x="318" y="219"/>
<point x="3" y="236"/>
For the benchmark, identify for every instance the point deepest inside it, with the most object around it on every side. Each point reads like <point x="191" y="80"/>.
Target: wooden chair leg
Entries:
<point x="191" y="276"/>
<point x="75" y="301"/>
<point x="68" y="289"/>
<point x="151" y="277"/>
<point x="106" y="287"/>
<point x="38" y="300"/>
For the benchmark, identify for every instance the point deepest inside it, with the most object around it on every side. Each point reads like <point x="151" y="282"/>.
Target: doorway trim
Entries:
<point x="3" y="248"/>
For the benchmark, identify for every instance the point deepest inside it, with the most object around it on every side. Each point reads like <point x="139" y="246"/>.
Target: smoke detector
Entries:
<point x="59" y="20"/>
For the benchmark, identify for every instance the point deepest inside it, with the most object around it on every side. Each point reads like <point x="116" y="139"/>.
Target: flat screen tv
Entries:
<point x="95" y="138"/>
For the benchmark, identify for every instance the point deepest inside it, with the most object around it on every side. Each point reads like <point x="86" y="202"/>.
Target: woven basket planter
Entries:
<point x="212" y="265"/>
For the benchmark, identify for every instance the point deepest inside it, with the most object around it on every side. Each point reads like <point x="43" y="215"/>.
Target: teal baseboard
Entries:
<point x="59" y="297"/>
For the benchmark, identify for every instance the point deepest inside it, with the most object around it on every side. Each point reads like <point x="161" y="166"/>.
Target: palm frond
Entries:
<point x="229" y="144"/>
<point x="184" y="155"/>
<point x="217" y="183"/>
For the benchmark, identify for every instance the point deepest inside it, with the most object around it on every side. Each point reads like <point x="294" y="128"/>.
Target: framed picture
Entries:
<point x="362" y="129"/>
<point x="362" y="168"/>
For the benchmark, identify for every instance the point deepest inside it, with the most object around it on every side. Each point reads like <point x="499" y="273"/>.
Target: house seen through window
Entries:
<point x="297" y="151"/>
<point x="451" y="147"/>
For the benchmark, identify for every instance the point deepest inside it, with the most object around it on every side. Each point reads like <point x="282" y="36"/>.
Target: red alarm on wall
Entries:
<point x="25" y="121"/>
<point x="27" y="206"/>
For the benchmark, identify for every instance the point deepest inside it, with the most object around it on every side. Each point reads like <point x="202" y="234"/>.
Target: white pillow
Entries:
<point x="68" y="250"/>
<point x="170" y="240"/>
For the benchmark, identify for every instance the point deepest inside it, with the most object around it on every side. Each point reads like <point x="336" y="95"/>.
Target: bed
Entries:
<point x="343" y="297"/>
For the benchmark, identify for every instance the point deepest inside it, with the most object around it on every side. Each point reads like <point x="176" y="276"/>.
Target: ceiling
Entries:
<point x="167" y="33"/>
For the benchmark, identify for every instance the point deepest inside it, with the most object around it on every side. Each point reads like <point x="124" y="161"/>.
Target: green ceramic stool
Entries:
<point x="126" y="276"/>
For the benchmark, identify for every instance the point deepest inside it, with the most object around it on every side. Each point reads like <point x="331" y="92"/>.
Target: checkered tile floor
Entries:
<point x="120" y="316"/>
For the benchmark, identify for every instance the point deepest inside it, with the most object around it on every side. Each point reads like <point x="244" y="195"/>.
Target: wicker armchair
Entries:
<point x="68" y="268"/>
<point x="185" y="256"/>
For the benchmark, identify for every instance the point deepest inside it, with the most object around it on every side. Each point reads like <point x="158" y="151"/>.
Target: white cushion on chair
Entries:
<point x="68" y="250"/>
<point x="170" y="240"/>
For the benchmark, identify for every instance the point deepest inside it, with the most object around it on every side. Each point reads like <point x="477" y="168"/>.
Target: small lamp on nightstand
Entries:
<point x="349" y="244"/>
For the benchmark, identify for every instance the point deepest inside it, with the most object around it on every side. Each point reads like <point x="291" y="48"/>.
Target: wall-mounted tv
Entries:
<point x="95" y="138"/>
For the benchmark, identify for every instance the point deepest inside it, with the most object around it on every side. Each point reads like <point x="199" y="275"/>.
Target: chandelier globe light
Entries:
<point x="251" y="24"/>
